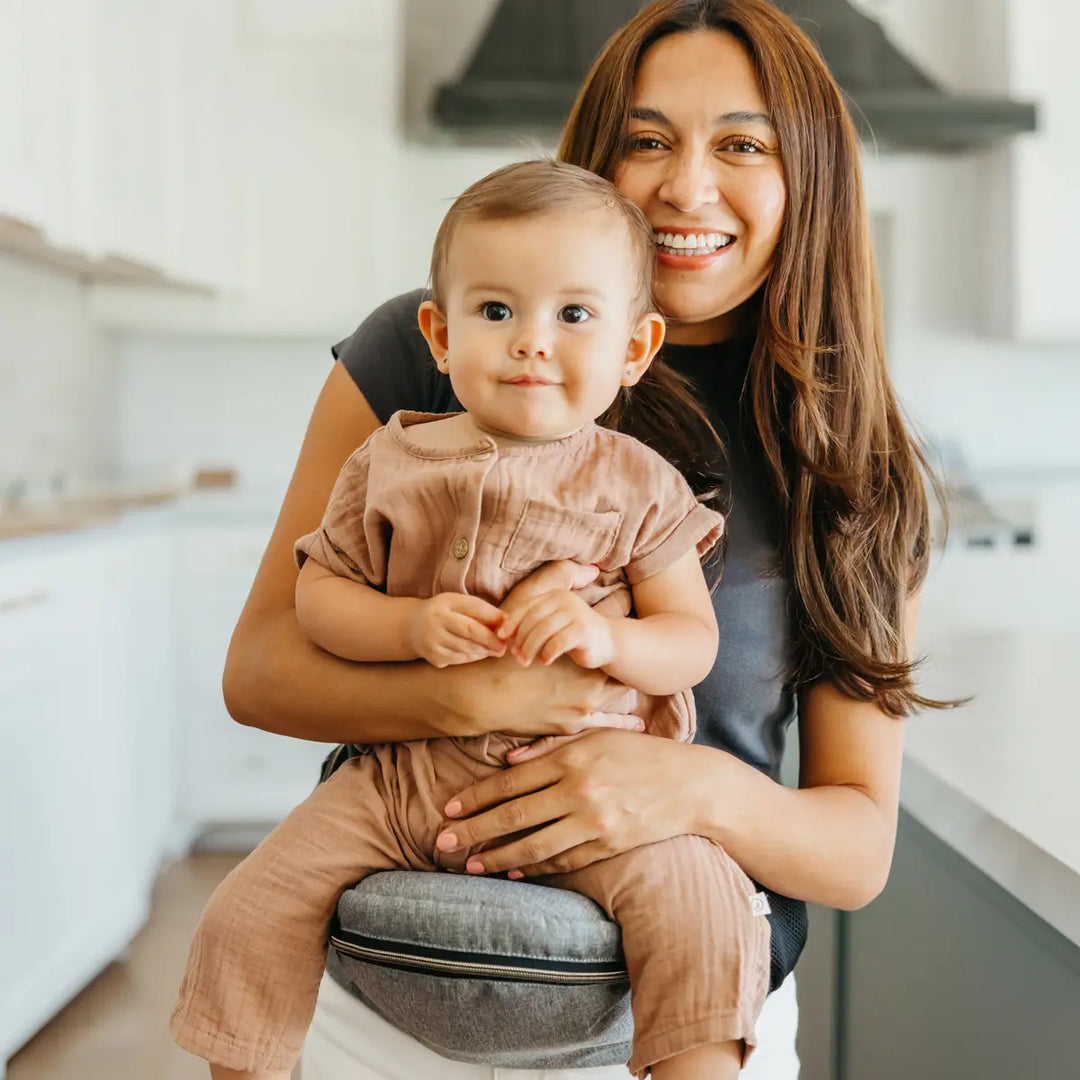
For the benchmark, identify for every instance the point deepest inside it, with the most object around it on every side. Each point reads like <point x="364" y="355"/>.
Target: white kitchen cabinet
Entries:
<point x="230" y="774"/>
<point x="128" y="71"/>
<point x="115" y="747"/>
<point x="199" y="140"/>
<point x="30" y="91"/>
<point x="37" y="691"/>
<point x="1044" y="174"/>
<point x="116" y="130"/>
<point x="81" y="823"/>
<point x="152" y="154"/>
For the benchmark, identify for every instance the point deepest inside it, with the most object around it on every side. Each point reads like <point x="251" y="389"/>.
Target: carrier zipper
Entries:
<point x="453" y="964"/>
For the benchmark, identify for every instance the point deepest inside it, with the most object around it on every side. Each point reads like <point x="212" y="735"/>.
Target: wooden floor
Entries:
<point x="117" y="1028"/>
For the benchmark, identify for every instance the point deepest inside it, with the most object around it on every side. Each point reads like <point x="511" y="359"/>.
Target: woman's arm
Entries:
<point x="829" y="842"/>
<point x="277" y="679"/>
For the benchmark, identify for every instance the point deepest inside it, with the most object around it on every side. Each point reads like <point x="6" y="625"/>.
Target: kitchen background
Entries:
<point x="197" y="199"/>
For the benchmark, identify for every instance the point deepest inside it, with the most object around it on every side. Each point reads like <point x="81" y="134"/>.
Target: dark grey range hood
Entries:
<point x="534" y="54"/>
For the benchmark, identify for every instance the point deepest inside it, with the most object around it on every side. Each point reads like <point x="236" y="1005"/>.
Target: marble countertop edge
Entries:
<point x="1042" y="883"/>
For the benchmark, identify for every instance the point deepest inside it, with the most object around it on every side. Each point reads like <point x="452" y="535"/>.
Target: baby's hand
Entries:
<point x="555" y="624"/>
<point x="452" y="628"/>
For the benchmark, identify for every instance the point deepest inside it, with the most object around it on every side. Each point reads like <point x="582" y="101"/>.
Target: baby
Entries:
<point x="541" y="316"/>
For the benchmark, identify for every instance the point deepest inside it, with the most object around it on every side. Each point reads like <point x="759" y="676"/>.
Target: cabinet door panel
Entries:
<point x="37" y="698"/>
<point x="947" y="976"/>
<point x="230" y="773"/>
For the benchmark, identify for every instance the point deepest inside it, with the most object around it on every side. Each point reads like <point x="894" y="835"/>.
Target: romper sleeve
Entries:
<point x="352" y="540"/>
<point x="672" y="521"/>
<point x="389" y="360"/>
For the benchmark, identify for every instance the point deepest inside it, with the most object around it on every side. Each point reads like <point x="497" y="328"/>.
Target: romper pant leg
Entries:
<point x="697" y="956"/>
<point x="254" y="968"/>
<point x="670" y="717"/>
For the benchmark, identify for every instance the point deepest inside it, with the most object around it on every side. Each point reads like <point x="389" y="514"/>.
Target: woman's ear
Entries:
<point x="433" y="326"/>
<point x="644" y="345"/>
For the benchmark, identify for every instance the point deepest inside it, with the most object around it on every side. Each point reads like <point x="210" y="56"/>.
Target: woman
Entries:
<point x="720" y="121"/>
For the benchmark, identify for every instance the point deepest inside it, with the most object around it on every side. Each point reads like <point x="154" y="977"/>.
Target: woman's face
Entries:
<point x="703" y="163"/>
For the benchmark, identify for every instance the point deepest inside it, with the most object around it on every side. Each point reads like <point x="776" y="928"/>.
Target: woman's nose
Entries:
<point x="691" y="183"/>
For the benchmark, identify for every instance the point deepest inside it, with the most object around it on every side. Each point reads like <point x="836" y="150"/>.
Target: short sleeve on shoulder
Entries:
<point x="673" y="522"/>
<point x="348" y="542"/>
<point x="388" y="359"/>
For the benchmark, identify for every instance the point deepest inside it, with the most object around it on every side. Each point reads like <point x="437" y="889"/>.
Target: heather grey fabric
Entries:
<point x="522" y="1025"/>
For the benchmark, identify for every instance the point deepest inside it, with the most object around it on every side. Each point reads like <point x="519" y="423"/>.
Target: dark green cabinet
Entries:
<point x="947" y="977"/>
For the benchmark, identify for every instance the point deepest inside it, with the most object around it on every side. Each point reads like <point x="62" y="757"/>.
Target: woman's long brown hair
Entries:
<point x="848" y="475"/>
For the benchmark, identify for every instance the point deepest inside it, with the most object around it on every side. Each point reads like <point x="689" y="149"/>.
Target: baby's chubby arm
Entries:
<point x="356" y="622"/>
<point x="668" y="648"/>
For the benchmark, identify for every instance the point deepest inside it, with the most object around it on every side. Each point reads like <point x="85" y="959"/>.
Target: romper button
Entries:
<point x="460" y="548"/>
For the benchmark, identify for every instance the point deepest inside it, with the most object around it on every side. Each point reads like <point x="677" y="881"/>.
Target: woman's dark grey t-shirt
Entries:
<point x="744" y="705"/>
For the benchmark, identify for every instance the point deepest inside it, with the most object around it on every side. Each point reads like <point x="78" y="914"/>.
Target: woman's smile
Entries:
<point x="689" y="248"/>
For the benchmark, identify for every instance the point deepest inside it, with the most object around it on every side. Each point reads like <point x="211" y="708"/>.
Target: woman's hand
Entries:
<point x="576" y="801"/>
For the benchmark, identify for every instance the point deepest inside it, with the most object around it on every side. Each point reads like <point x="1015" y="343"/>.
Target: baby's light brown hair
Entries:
<point x="543" y="186"/>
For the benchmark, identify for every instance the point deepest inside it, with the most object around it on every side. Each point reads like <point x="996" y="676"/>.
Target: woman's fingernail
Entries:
<point x="474" y="867"/>
<point x="446" y="841"/>
<point x="452" y="808"/>
<point x="515" y="875"/>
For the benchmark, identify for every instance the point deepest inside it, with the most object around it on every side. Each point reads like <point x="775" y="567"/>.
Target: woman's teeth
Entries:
<point x="692" y="243"/>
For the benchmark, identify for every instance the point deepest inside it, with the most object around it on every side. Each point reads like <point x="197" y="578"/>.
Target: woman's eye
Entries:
<point x="745" y="146"/>
<point x="574" y="313"/>
<point x="644" y="142"/>
<point x="493" y="311"/>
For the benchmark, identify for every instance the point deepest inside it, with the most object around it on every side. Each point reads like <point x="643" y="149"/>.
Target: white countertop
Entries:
<point x="999" y="779"/>
<point x="240" y="506"/>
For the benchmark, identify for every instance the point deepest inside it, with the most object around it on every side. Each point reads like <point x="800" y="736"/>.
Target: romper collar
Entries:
<point x="398" y="424"/>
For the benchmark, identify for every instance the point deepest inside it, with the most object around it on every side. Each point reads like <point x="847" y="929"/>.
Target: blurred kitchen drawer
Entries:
<point x="31" y="601"/>
<point x="230" y="773"/>
<point x="215" y="566"/>
<point x="235" y="774"/>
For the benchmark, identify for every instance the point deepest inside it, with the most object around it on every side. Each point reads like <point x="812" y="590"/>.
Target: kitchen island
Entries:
<point x="968" y="965"/>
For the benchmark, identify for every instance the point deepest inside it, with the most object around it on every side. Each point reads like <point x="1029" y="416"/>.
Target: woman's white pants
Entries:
<point x="349" y="1041"/>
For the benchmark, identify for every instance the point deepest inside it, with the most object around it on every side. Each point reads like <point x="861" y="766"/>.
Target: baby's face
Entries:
<point x="540" y="316"/>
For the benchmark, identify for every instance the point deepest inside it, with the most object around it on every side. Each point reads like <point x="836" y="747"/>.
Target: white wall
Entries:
<point x="340" y="211"/>
<point x="55" y="379"/>
<point x="243" y="402"/>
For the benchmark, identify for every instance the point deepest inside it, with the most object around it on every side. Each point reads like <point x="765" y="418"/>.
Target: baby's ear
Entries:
<point x="644" y="344"/>
<point x="433" y="326"/>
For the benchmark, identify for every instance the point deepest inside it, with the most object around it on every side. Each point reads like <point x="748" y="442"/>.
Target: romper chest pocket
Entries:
<point x="545" y="533"/>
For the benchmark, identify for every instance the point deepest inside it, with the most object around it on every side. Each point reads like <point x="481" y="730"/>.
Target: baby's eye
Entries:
<point x="493" y="311"/>
<point x="574" y="313"/>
